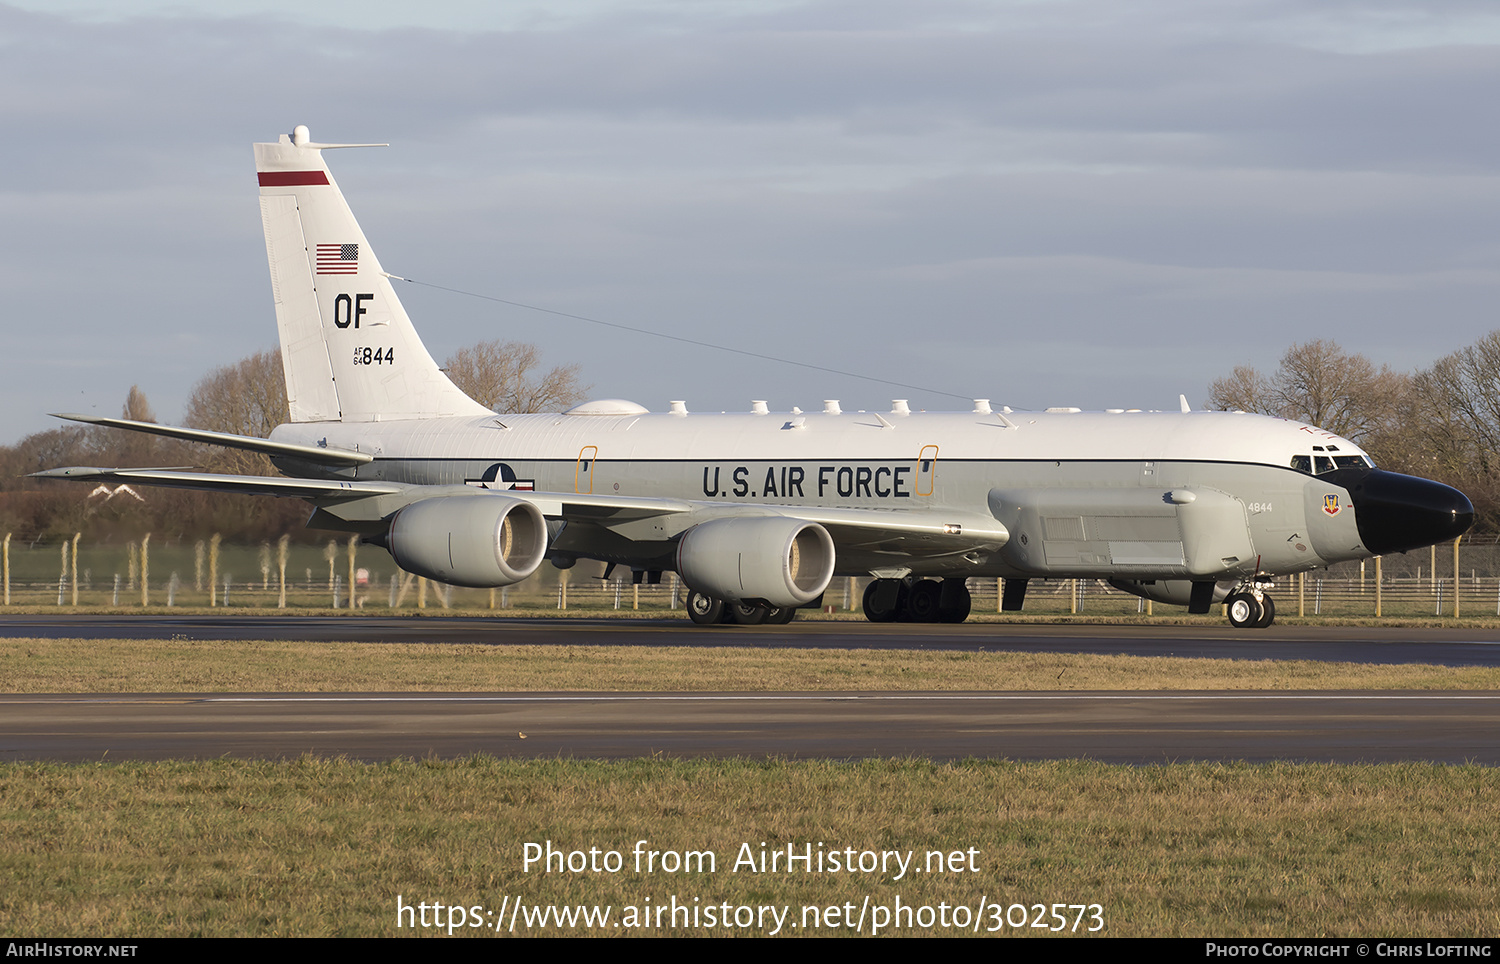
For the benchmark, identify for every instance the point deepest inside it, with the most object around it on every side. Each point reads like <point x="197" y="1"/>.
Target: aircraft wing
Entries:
<point x="881" y="531"/>
<point x="210" y="482"/>
<point x="872" y="529"/>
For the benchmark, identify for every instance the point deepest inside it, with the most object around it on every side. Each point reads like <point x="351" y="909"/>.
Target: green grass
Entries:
<point x="320" y="847"/>
<point x="323" y="847"/>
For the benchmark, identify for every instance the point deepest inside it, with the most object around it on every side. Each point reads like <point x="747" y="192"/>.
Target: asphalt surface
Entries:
<point x="1125" y="727"/>
<point x="1137" y="728"/>
<point x="1449" y="647"/>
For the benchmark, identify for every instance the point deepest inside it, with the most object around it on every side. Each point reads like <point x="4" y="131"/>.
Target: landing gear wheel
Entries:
<point x="1268" y="613"/>
<point x="747" y="613"/>
<point x="956" y="602"/>
<point x="780" y="615"/>
<point x="884" y="600"/>
<point x="1244" y="611"/>
<point x="704" y="610"/>
<point x="923" y="602"/>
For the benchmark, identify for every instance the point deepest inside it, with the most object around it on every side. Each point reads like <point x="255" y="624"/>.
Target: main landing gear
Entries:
<point x="706" y="610"/>
<point x="917" y="601"/>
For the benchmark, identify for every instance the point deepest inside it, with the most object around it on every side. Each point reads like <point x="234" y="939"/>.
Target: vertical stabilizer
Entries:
<point x="349" y="349"/>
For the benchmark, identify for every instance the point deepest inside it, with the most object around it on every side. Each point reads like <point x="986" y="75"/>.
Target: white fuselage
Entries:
<point x="1079" y="493"/>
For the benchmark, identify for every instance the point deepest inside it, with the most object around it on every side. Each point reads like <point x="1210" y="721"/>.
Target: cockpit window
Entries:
<point x="1324" y="463"/>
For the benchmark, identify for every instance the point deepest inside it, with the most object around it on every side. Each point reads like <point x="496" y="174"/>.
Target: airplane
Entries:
<point x="758" y="511"/>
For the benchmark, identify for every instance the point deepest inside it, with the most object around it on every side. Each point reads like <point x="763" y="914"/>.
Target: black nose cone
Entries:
<point x="1400" y="512"/>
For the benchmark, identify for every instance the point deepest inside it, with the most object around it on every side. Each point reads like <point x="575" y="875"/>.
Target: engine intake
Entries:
<point x="481" y="541"/>
<point x="780" y="561"/>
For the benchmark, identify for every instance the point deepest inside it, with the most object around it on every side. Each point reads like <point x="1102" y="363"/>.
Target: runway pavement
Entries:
<point x="1450" y="647"/>
<point x="1126" y="727"/>
<point x="1136" y="728"/>
<point x="1119" y="727"/>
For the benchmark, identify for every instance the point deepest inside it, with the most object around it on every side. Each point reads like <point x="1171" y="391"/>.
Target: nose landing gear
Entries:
<point x="1249" y="607"/>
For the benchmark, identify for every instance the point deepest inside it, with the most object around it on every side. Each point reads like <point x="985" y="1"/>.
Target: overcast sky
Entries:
<point x="1057" y="202"/>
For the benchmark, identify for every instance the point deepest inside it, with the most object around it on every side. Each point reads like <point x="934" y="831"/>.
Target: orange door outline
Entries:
<point x="583" y="474"/>
<point x="926" y="469"/>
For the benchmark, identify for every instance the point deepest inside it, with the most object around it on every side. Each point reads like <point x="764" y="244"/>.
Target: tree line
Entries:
<point x="245" y="398"/>
<point x="1441" y="423"/>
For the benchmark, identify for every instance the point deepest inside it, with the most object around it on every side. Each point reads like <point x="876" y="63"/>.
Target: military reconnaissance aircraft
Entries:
<point x="758" y="511"/>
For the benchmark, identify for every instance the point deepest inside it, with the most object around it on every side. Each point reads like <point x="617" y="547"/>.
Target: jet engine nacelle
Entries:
<point x="783" y="562"/>
<point x="480" y="541"/>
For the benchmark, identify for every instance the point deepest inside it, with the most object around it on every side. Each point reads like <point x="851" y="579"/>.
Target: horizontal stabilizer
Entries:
<point x="307" y="453"/>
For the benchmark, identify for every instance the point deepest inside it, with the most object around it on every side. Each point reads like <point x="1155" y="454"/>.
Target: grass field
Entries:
<point x="326" y="847"/>
<point x="329" y="847"/>
<point x="170" y="666"/>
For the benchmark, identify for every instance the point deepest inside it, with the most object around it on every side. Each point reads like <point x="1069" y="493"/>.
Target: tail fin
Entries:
<point x="349" y="349"/>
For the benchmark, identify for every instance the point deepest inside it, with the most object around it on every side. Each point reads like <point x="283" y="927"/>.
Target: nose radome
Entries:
<point x="1397" y="512"/>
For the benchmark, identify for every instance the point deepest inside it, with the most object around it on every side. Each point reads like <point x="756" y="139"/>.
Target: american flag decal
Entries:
<point x="338" y="259"/>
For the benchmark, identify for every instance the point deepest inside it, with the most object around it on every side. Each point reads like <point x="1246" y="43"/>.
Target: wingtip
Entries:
<point x="69" y="472"/>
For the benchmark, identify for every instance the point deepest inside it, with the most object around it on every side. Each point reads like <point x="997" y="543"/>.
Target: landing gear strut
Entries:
<point x="917" y="601"/>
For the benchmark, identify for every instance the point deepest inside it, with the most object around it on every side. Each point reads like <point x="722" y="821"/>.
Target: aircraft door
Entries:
<point x="583" y="475"/>
<point x="926" y="469"/>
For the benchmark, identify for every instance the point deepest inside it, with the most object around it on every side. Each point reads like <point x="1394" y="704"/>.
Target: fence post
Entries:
<point x="145" y="570"/>
<point x="1378" y="581"/>
<point x="353" y="582"/>
<point x="76" y="537"/>
<point x="1457" y="582"/>
<point x="282" y="545"/>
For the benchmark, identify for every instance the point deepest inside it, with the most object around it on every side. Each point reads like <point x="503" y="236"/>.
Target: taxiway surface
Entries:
<point x="1354" y="644"/>
<point x="1133" y="727"/>
<point x="1124" y="727"/>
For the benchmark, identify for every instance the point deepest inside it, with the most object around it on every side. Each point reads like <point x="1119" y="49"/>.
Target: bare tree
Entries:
<point x="1458" y="424"/>
<point x="1244" y="390"/>
<point x="1317" y="382"/>
<point x="246" y="398"/>
<point x="504" y="376"/>
<point x="136" y="407"/>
